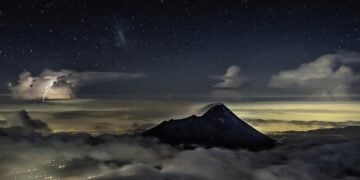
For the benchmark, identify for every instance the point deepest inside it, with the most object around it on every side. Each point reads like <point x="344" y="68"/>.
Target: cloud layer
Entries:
<point x="329" y="75"/>
<point x="312" y="155"/>
<point x="332" y="154"/>
<point x="61" y="84"/>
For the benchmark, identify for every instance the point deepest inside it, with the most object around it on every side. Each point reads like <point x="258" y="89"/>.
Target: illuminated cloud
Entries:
<point x="61" y="84"/>
<point x="231" y="79"/>
<point x="229" y="83"/>
<point x="329" y="75"/>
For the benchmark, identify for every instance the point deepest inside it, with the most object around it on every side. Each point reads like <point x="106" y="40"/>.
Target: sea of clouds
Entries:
<point x="29" y="150"/>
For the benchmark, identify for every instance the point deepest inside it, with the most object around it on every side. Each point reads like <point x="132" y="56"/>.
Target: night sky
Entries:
<point x="83" y="82"/>
<point x="183" y="48"/>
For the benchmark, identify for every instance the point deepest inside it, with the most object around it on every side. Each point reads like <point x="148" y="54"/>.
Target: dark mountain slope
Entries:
<point x="217" y="127"/>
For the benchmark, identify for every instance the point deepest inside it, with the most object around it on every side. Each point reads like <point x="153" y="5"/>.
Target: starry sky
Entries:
<point x="188" y="48"/>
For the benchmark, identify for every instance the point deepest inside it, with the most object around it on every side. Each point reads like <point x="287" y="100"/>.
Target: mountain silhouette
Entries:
<point x="217" y="127"/>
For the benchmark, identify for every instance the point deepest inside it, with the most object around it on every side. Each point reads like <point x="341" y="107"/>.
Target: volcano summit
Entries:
<point x="218" y="126"/>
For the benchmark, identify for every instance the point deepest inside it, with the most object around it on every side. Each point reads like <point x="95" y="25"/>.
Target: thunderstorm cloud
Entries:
<point x="62" y="84"/>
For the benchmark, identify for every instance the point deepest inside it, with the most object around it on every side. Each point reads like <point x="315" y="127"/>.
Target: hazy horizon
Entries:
<point x="125" y="115"/>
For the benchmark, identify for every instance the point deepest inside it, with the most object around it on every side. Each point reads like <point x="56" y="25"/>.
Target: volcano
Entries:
<point x="218" y="127"/>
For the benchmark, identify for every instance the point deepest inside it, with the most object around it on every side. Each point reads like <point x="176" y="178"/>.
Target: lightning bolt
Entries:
<point x="48" y="87"/>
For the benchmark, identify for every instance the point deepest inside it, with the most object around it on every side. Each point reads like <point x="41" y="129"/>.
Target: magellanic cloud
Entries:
<point x="330" y="75"/>
<point x="62" y="84"/>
